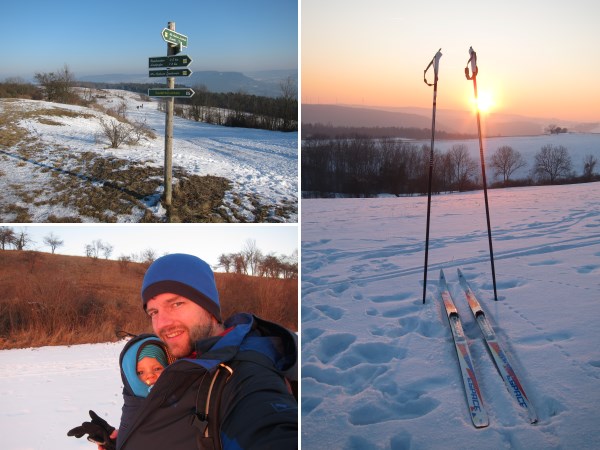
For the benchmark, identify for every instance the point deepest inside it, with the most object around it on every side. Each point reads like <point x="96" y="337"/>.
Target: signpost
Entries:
<point x="170" y="73"/>
<point x="171" y="37"/>
<point x="175" y="42"/>
<point x="169" y="61"/>
<point x="160" y="92"/>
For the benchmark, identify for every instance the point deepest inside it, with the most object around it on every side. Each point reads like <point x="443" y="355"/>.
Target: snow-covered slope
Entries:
<point x="379" y="369"/>
<point x="260" y="164"/>
<point x="47" y="391"/>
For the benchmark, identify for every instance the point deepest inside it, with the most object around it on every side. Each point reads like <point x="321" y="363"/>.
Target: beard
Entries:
<point x="194" y="334"/>
<point x="201" y="332"/>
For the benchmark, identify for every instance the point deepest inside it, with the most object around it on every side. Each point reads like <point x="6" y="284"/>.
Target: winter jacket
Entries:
<point x="245" y="371"/>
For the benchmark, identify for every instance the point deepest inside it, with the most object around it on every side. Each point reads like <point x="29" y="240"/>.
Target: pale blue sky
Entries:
<point x="207" y="241"/>
<point x="109" y="36"/>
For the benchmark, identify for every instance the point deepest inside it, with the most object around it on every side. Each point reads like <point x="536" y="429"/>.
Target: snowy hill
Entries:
<point x="379" y="369"/>
<point x="50" y="148"/>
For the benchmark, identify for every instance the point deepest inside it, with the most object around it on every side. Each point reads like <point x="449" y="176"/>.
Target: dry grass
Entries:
<point x="61" y="300"/>
<point x="102" y="188"/>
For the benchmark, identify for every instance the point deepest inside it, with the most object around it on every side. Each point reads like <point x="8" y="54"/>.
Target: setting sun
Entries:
<point x="485" y="102"/>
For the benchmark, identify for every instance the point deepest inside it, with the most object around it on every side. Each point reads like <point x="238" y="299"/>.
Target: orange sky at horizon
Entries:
<point x="535" y="59"/>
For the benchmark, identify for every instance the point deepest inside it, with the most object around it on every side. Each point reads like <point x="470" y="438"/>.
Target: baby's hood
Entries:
<point x="132" y="385"/>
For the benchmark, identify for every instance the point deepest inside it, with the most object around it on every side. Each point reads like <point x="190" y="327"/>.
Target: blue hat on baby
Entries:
<point x="153" y="351"/>
<point x="130" y="360"/>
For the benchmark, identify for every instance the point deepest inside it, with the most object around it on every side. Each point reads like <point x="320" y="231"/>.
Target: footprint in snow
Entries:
<point x="332" y="345"/>
<point x="333" y="312"/>
<point x="371" y="353"/>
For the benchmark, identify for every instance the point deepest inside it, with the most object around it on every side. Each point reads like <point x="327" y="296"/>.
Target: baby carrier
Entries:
<point x="234" y="394"/>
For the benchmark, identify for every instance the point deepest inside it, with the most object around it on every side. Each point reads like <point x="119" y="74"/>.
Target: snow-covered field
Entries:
<point x="44" y="392"/>
<point x="260" y="164"/>
<point x="379" y="368"/>
<point x="578" y="145"/>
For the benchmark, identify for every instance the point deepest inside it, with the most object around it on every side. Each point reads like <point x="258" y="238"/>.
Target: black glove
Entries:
<point x="98" y="431"/>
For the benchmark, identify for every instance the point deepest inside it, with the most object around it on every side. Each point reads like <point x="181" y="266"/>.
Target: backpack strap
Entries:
<point x="206" y="418"/>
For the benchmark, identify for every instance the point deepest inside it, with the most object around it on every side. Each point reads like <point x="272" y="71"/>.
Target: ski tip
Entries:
<point x="460" y="274"/>
<point x="481" y="424"/>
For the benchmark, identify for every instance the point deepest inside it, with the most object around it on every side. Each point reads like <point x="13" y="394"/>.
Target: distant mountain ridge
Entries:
<point x="451" y="121"/>
<point x="264" y="83"/>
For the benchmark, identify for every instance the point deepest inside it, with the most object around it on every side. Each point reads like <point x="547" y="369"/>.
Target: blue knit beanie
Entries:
<point x="184" y="275"/>
<point x="153" y="351"/>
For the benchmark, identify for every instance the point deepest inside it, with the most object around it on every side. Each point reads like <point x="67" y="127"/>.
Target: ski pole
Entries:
<point x="435" y="62"/>
<point x="474" y="71"/>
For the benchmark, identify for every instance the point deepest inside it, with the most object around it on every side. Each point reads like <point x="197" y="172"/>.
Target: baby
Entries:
<point x="142" y="361"/>
<point x="151" y="361"/>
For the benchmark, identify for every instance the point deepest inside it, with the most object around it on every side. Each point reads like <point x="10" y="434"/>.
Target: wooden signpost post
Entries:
<point x="173" y="65"/>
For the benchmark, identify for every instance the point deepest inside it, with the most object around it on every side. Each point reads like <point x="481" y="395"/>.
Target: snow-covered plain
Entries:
<point x="578" y="145"/>
<point x="259" y="163"/>
<point x="44" y="392"/>
<point x="379" y="368"/>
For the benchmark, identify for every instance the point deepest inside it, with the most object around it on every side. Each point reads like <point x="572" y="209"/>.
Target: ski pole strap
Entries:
<point x="473" y="61"/>
<point x="435" y="62"/>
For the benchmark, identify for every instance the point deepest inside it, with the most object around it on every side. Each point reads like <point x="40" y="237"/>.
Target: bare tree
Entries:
<point x="505" y="161"/>
<point x="22" y="240"/>
<point x="94" y="249"/>
<point x="270" y="266"/>
<point x="553" y="129"/>
<point x="116" y="132"/>
<point x="589" y="164"/>
<point x="107" y="250"/>
<point x="289" y="103"/>
<point x="552" y="162"/>
<point x="7" y="237"/>
<point x="53" y="242"/>
<point x="290" y="265"/>
<point x="225" y="261"/>
<point x="463" y="167"/>
<point x="148" y="256"/>
<point x="124" y="261"/>
<point x="240" y="264"/>
<point x="58" y="85"/>
<point x="252" y="255"/>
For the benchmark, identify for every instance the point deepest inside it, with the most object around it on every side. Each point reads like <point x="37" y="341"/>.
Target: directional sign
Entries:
<point x="163" y="92"/>
<point x="174" y="38"/>
<point x="170" y="73"/>
<point x="155" y="62"/>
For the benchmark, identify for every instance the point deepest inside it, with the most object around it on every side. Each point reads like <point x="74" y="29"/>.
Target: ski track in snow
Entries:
<point x="378" y="367"/>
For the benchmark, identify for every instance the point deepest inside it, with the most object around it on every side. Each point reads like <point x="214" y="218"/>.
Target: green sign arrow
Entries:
<point x="155" y="62"/>
<point x="170" y="73"/>
<point x="174" y="38"/>
<point x="163" y="92"/>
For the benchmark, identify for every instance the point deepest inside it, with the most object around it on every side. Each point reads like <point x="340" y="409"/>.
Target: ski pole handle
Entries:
<point x="435" y="62"/>
<point x="473" y="61"/>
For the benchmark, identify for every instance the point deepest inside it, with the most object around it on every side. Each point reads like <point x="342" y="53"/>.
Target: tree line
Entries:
<point x="251" y="261"/>
<point x="238" y="109"/>
<point x="321" y="131"/>
<point x="248" y="261"/>
<point x="366" y="167"/>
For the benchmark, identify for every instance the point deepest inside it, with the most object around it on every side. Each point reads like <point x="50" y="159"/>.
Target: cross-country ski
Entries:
<point x="513" y="383"/>
<point x="473" y="393"/>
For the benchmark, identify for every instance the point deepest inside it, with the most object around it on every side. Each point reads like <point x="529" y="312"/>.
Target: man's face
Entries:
<point x="179" y="322"/>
